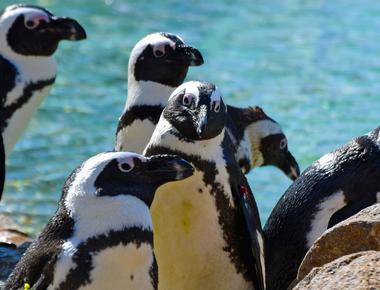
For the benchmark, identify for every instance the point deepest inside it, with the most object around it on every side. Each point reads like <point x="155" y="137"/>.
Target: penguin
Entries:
<point x="333" y="188"/>
<point x="207" y="229"/>
<point x="260" y="141"/>
<point x="29" y="36"/>
<point x="157" y="65"/>
<point x="101" y="236"/>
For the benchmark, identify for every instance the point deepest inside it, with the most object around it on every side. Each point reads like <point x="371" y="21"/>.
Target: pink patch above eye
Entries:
<point x="36" y="18"/>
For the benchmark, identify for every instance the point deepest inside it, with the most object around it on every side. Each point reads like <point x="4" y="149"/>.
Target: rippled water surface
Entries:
<point x="314" y="66"/>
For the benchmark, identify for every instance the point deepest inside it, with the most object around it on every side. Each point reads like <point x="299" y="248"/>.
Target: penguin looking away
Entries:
<point x="207" y="227"/>
<point x="29" y="36"/>
<point x="157" y="65"/>
<point x="260" y="141"/>
<point x="333" y="188"/>
<point x="101" y="236"/>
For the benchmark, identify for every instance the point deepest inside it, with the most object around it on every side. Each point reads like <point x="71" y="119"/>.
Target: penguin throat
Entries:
<point x="147" y="93"/>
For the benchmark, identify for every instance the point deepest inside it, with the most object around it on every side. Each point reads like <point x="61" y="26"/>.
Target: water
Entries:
<point x="314" y="66"/>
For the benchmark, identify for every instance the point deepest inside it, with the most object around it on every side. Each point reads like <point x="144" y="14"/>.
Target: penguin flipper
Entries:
<point x="2" y="166"/>
<point x="250" y="214"/>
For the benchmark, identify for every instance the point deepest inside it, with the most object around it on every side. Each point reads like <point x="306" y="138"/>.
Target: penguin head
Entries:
<point x="28" y="30"/>
<point x="196" y="110"/>
<point x="115" y="174"/>
<point x="162" y="58"/>
<point x="261" y="141"/>
<point x="274" y="149"/>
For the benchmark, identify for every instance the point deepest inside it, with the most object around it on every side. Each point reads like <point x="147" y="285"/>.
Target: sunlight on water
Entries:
<point x="313" y="66"/>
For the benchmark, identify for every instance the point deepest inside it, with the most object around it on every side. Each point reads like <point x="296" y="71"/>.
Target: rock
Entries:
<point x="358" y="233"/>
<point x="9" y="256"/>
<point x="355" y="271"/>
<point x="13" y="243"/>
<point x="10" y="232"/>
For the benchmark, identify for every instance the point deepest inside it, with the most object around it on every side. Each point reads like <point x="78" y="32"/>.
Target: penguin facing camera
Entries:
<point x="102" y="232"/>
<point x="213" y="224"/>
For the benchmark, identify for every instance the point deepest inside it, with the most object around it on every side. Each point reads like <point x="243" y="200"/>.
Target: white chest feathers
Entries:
<point x="135" y="137"/>
<point x="124" y="267"/>
<point x="189" y="240"/>
<point x="20" y="119"/>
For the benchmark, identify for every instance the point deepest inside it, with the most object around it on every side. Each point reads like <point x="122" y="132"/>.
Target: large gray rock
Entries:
<point x="360" y="232"/>
<point x="356" y="271"/>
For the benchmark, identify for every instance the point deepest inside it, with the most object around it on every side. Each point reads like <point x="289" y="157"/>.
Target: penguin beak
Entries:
<point x="188" y="55"/>
<point x="64" y="28"/>
<point x="201" y="121"/>
<point x="164" y="168"/>
<point x="290" y="167"/>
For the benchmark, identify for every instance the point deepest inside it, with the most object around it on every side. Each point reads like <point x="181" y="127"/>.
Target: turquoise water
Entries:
<point x="314" y="66"/>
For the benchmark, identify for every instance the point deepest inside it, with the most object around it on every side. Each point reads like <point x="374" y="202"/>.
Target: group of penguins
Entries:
<point x="183" y="190"/>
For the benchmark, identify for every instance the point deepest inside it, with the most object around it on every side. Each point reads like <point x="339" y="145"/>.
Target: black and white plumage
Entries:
<point x="209" y="235"/>
<point x="333" y="188"/>
<point x="29" y="36"/>
<point x="260" y="141"/>
<point x="101" y="235"/>
<point x="157" y="65"/>
<point x="153" y="76"/>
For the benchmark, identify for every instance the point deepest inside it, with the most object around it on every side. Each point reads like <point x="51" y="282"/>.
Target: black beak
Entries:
<point x="64" y="28"/>
<point x="187" y="54"/>
<point x="165" y="168"/>
<point x="290" y="167"/>
<point x="201" y="121"/>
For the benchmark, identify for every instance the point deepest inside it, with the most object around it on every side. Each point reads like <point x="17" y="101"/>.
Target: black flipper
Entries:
<point x="2" y="166"/>
<point x="250" y="215"/>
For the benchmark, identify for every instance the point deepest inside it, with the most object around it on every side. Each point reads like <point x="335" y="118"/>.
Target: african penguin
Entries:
<point x="207" y="228"/>
<point x="157" y="65"/>
<point x="154" y="72"/>
<point x="101" y="235"/>
<point x="333" y="188"/>
<point x="29" y="36"/>
<point x="260" y="141"/>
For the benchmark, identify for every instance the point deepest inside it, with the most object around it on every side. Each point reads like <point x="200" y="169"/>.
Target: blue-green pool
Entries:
<point x="314" y="66"/>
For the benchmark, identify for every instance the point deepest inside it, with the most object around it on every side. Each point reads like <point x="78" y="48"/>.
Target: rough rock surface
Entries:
<point x="13" y="243"/>
<point x="360" y="232"/>
<point x="356" y="271"/>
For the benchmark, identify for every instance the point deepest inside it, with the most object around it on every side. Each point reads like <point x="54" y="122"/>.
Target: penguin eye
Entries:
<point x="187" y="99"/>
<point x="125" y="167"/>
<point x="283" y="144"/>
<point x="31" y="24"/>
<point x="158" y="53"/>
<point x="216" y="107"/>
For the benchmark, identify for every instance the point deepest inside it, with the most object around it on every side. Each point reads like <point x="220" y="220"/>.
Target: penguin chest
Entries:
<point x="135" y="137"/>
<point x="21" y="117"/>
<point x="188" y="239"/>
<point x="126" y="267"/>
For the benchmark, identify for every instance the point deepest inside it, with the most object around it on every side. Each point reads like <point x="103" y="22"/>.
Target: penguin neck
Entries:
<point x="32" y="69"/>
<point x="92" y="214"/>
<point x="167" y="136"/>
<point x="147" y="93"/>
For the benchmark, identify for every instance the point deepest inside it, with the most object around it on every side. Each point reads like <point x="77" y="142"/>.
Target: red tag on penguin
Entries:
<point x="244" y="191"/>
